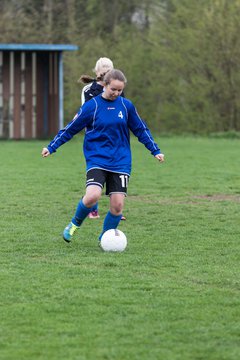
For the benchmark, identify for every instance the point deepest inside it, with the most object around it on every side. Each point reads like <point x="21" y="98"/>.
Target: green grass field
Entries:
<point x="173" y="294"/>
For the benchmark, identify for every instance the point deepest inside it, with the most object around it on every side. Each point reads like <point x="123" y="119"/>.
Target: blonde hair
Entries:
<point x="103" y="65"/>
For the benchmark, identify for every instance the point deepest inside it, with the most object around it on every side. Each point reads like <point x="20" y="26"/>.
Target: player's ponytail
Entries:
<point x="102" y="67"/>
<point x="86" y="79"/>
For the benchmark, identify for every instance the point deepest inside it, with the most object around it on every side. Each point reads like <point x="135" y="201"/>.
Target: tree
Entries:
<point x="181" y="57"/>
<point x="197" y="47"/>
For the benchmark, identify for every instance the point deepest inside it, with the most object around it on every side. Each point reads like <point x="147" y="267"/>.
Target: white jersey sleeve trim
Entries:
<point x="124" y="107"/>
<point x="86" y="88"/>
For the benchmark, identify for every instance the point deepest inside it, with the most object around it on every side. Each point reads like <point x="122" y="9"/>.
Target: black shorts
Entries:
<point x="115" y="182"/>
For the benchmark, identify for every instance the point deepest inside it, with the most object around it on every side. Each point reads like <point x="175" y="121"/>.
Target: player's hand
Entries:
<point x="160" y="157"/>
<point x="45" y="152"/>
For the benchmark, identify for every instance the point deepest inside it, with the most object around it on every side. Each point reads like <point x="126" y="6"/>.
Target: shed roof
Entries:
<point x="38" y="47"/>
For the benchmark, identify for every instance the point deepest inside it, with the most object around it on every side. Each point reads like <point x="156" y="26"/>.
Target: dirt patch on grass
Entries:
<point x="219" y="197"/>
<point x="191" y="199"/>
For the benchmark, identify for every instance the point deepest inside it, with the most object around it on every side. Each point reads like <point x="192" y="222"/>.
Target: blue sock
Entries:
<point x="110" y="222"/>
<point x="95" y="207"/>
<point x="81" y="213"/>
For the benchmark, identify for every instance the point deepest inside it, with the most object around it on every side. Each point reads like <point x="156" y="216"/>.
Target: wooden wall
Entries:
<point x="29" y="94"/>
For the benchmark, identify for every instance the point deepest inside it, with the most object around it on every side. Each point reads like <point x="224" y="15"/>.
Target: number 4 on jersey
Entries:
<point x="120" y="114"/>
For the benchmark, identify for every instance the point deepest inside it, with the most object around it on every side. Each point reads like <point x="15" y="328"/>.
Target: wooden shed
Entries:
<point x="31" y="90"/>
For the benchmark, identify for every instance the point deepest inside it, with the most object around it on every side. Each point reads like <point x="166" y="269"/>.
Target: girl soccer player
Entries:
<point x="93" y="88"/>
<point x="107" y="118"/>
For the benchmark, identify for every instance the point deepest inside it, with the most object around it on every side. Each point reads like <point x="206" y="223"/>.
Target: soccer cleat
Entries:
<point x="69" y="231"/>
<point x="94" y="215"/>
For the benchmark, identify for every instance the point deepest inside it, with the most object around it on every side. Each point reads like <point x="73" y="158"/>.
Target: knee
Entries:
<point x="116" y="208"/>
<point x="116" y="204"/>
<point x="90" y="199"/>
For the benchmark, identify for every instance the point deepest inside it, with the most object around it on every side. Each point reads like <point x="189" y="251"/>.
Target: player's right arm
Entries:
<point x="45" y="152"/>
<point x="79" y="122"/>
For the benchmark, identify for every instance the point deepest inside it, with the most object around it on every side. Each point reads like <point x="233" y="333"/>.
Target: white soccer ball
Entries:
<point x="114" y="240"/>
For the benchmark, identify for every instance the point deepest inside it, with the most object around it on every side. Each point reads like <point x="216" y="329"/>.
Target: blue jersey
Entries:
<point x="107" y="137"/>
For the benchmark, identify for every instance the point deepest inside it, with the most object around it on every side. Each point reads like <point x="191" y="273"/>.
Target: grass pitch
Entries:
<point x="173" y="294"/>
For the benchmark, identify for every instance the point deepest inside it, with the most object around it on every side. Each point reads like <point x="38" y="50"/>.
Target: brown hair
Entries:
<point x="114" y="74"/>
<point x="86" y="79"/>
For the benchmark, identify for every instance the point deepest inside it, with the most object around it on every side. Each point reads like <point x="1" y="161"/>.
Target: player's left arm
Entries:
<point x="141" y="131"/>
